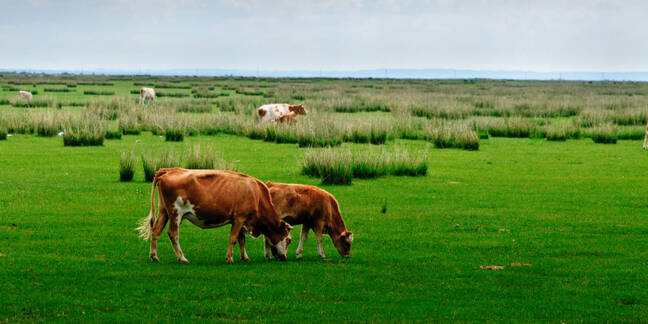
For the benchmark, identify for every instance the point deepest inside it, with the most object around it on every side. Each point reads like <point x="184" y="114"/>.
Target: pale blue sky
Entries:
<point x="328" y="34"/>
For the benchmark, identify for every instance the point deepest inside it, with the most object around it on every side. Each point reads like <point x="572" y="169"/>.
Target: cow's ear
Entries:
<point x="288" y="227"/>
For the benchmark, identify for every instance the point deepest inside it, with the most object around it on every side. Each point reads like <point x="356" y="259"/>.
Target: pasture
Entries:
<point x="515" y="173"/>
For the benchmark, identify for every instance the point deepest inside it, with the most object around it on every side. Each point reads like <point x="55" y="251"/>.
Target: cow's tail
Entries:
<point x="146" y="223"/>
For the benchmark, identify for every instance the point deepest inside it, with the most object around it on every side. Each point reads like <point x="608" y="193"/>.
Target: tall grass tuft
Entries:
<point x="196" y="157"/>
<point x="84" y="133"/>
<point x="128" y="124"/>
<point x="194" y="108"/>
<point x="453" y="135"/>
<point x="333" y="167"/>
<point x="204" y="158"/>
<point x="631" y="133"/>
<point x="319" y="135"/>
<point x="113" y="135"/>
<point x="153" y="161"/>
<point x="127" y="166"/>
<point x="337" y="166"/>
<point x="561" y="131"/>
<point x="604" y="134"/>
<point x="174" y="134"/>
<point x="98" y="92"/>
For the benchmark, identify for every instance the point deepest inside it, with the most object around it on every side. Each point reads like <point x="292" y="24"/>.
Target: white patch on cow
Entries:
<point x="351" y="238"/>
<point x="183" y="208"/>
<point x="186" y="211"/>
<point x="282" y="247"/>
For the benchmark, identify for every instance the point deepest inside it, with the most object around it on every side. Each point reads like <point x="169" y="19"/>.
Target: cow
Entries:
<point x="147" y="93"/>
<point x="273" y="112"/>
<point x="25" y="95"/>
<point x="315" y="209"/>
<point x="214" y="198"/>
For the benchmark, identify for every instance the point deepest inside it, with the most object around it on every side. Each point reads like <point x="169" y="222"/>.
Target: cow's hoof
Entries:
<point x="230" y="260"/>
<point x="154" y="258"/>
<point x="299" y="256"/>
<point x="184" y="261"/>
<point x="245" y="259"/>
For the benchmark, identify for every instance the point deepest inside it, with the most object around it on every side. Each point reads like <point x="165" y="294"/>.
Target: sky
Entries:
<point x="543" y="36"/>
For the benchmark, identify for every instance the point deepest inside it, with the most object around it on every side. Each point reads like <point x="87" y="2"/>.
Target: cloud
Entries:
<point x="335" y="34"/>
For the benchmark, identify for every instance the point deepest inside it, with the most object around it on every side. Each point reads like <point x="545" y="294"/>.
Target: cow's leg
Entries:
<point x="174" y="236"/>
<point x="318" y="236"/>
<point x="241" y="241"/>
<point x="645" y="145"/>
<point x="156" y="231"/>
<point x="302" y="240"/>
<point x="266" y="249"/>
<point x="234" y="234"/>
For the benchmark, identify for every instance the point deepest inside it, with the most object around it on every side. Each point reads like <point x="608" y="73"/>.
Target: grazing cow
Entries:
<point x="315" y="209"/>
<point x="147" y="93"/>
<point x="25" y="95"/>
<point x="213" y="198"/>
<point x="273" y="112"/>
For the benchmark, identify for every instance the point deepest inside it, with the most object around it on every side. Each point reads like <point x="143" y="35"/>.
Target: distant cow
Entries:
<point x="213" y="198"/>
<point x="25" y="95"/>
<point x="315" y="209"/>
<point x="147" y="93"/>
<point x="274" y="112"/>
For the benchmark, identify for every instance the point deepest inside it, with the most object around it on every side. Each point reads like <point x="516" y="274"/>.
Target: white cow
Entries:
<point x="25" y="95"/>
<point x="274" y="112"/>
<point x="147" y="93"/>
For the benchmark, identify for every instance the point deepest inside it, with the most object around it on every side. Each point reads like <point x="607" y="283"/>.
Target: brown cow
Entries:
<point x="315" y="209"/>
<point x="213" y="198"/>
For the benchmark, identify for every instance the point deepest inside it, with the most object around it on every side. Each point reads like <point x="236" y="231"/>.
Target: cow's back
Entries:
<point x="303" y="204"/>
<point x="216" y="194"/>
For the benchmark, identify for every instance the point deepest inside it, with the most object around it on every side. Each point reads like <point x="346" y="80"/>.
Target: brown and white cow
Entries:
<point x="25" y="95"/>
<point x="274" y="112"/>
<point x="214" y="198"/>
<point x="315" y="209"/>
<point x="147" y="93"/>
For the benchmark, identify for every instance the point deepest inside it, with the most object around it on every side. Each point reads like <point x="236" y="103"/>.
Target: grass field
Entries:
<point x="572" y="209"/>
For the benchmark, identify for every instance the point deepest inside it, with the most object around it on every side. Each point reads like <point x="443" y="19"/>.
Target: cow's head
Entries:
<point x="279" y="241"/>
<point x="343" y="243"/>
<point x="298" y="109"/>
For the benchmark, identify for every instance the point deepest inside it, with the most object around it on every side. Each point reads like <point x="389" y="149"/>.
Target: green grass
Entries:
<point x="573" y="209"/>
<point x="70" y="253"/>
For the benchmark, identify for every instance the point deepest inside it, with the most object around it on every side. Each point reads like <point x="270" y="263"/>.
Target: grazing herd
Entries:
<point x="214" y="198"/>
